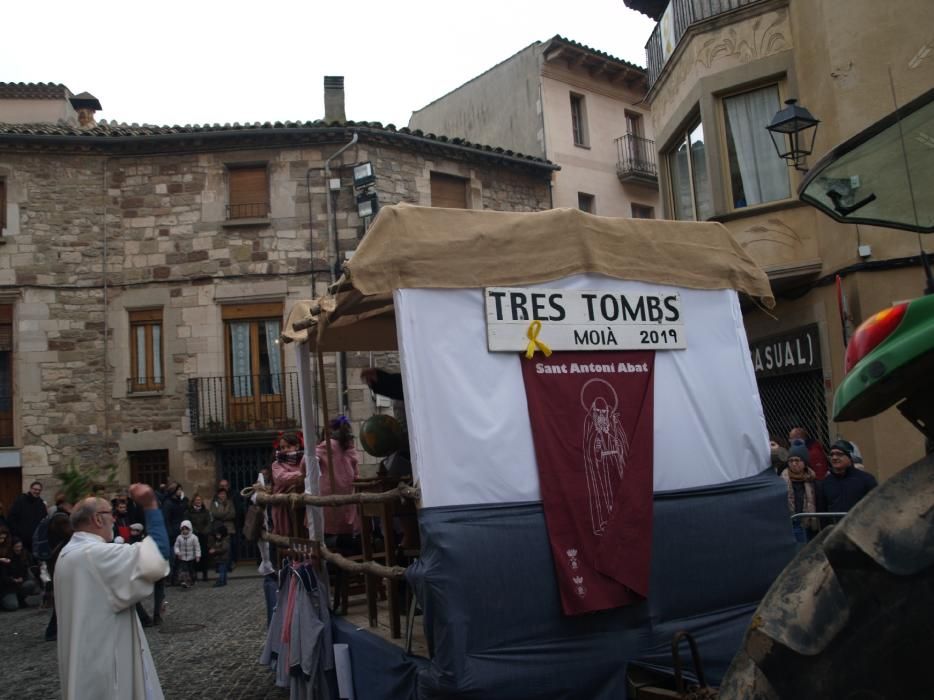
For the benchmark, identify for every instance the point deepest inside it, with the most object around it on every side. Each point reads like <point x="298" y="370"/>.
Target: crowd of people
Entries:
<point x="32" y="535"/>
<point x="190" y="537"/>
<point x="817" y="484"/>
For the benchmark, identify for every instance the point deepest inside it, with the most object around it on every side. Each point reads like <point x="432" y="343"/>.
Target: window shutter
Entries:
<point x="145" y="315"/>
<point x="249" y="192"/>
<point x="6" y="328"/>
<point x="448" y="191"/>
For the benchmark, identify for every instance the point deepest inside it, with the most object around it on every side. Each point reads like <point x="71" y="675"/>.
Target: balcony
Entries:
<point x="635" y="161"/>
<point x="674" y="22"/>
<point x="231" y="408"/>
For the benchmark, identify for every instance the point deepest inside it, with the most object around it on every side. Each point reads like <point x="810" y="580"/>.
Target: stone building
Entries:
<point x="718" y="72"/>
<point x="579" y="107"/>
<point x="145" y="272"/>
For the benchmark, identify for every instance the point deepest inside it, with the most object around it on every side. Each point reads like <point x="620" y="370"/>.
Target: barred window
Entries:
<point x="149" y="467"/>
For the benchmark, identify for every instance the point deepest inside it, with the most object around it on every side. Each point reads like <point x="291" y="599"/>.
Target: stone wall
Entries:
<point x="158" y="224"/>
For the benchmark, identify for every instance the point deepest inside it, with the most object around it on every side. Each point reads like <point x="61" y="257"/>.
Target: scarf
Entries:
<point x="810" y="501"/>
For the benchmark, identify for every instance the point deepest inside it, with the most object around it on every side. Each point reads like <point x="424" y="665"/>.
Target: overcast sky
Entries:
<point x="201" y="61"/>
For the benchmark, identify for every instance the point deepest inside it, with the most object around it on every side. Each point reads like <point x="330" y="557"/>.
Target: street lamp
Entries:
<point x="796" y="129"/>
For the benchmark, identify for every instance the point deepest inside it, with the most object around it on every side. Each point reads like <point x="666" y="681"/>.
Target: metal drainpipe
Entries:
<point x="108" y="391"/>
<point x="332" y="242"/>
<point x="311" y="255"/>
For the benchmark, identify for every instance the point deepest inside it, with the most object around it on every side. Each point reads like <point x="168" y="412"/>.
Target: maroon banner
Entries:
<point x="592" y="424"/>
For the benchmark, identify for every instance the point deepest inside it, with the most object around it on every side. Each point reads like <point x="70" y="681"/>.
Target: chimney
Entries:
<point x="85" y="105"/>
<point x="334" y="99"/>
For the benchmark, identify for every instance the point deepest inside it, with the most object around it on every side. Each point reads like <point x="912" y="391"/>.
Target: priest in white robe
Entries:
<point x="102" y="649"/>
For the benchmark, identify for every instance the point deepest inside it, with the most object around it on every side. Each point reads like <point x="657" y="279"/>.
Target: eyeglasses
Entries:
<point x="837" y="453"/>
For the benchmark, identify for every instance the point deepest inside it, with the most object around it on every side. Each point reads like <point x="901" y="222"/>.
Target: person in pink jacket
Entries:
<point x="288" y="476"/>
<point x="340" y="521"/>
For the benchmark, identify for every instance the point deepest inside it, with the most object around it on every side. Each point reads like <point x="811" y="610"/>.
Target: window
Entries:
<point x="634" y="124"/>
<point x="640" y="211"/>
<point x="255" y="379"/>
<point x="149" y="467"/>
<point x="2" y="204"/>
<point x="756" y="175"/>
<point x="146" y="350"/>
<point x="585" y="202"/>
<point x="638" y="151"/>
<point x="579" y="120"/>
<point x="6" y="375"/>
<point x="690" y="184"/>
<point x="448" y="191"/>
<point x="248" y="196"/>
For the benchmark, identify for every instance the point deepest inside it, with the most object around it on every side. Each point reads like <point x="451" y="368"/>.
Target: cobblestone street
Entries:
<point x="207" y="648"/>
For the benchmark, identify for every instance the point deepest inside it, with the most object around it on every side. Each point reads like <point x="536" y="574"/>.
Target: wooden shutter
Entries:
<point x="249" y="192"/>
<point x="145" y="315"/>
<point x="448" y="191"/>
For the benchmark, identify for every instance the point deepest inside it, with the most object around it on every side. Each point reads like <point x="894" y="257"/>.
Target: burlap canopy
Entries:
<point x="410" y="247"/>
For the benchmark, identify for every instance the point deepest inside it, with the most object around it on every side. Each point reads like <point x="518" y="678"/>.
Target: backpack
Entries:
<point x="41" y="549"/>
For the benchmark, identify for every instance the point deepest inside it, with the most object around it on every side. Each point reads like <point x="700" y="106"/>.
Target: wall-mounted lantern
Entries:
<point x="793" y="130"/>
<point x="367" y="204"/>
<point x="363" y="175"/>
<point x="367" y="201"/>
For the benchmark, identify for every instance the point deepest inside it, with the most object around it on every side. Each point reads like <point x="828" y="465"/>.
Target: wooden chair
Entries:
<point x="384" y="513"/>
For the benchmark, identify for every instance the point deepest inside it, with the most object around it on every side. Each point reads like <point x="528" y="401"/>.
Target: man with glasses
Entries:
<point x="845" y="485"/>
<point x="102" y="649"/>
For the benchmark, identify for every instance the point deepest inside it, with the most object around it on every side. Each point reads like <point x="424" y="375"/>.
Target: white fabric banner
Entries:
<point x="468" y="418"/>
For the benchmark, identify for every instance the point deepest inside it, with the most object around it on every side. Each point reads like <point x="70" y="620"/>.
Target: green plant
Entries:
<point x="80" y="482"/>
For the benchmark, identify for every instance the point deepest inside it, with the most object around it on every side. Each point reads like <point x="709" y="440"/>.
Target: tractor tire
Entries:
<point x="852" y="615"/>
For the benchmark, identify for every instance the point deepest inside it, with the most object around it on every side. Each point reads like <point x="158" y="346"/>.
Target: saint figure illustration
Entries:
<point x="606" y="448"/>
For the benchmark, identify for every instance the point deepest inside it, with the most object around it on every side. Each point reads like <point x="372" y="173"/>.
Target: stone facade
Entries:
<point x="105" y="232"/>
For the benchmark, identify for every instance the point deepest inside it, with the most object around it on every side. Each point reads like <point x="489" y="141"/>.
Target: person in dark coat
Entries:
<point x="17" y="578"/>
<point x="845" y="485"/>
<point x="60" y="532"/>
<point x="388" y="384"/>
<point x="174" y="510"/>
<point x="27" y="512"/>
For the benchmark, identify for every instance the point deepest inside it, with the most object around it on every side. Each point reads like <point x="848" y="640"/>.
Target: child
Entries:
<point x="220" y="550"/>
<point x="187" y="553"/>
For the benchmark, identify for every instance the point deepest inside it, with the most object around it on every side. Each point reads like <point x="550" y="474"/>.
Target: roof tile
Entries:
<point x="33" y="91"/>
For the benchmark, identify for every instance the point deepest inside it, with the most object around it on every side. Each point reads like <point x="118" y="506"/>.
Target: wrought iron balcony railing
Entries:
<point x="680" y="15"/>
<point x="635" y="160"/>
<point x="220" y="406"/>
<point x="254" y="210"/>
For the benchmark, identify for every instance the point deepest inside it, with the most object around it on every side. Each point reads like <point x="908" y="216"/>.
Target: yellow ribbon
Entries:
<point x="534" y="342"/>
